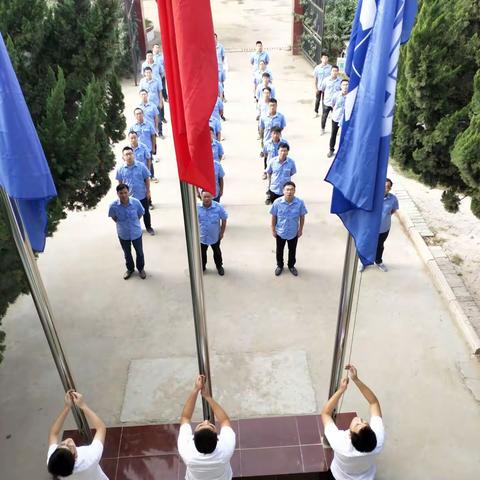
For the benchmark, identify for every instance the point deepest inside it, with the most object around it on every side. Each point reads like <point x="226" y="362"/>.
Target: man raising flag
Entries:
<point x="359" y="170"/>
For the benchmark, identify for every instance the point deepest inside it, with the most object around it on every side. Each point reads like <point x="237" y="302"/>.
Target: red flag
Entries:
<point x="192" y="76"/>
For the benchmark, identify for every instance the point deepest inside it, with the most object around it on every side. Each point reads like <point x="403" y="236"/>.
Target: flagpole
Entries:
<point x="344" y="312"/>
<point x="192" y="236"/>
<point x="42" y="305"/>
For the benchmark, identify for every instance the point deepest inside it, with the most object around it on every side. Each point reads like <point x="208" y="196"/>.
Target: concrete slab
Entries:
<point x="274" y="384"/>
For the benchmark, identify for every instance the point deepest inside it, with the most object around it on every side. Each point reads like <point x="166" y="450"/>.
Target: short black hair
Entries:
<point x="61" y="462"/>
<point x="344" y="80"/>
<point x="258" y="42"/>
<point x="365" y="440"/>
<point x="324" y="54"/>
<point x="212" y="129"/>
<point x="267" y="88"/>
<point x="273" y="100"/>
<point x="137" y="109"/>
<point x="148" y="51"/>
<point x="143" y="90"/>
<point x="205" y="440"/>
<point x="266" y="74"/>
<point x="122" y="186"/>
<point x="335" y="66"/>
<point x="283" y="145"/>
<point x="127" y="148"/>
<point x="147" y="68"/>
<point x="289" y="184"/>
<point x="389" y="181"/>
<point x="133" y="131"/>
<point x="277" y="129"/>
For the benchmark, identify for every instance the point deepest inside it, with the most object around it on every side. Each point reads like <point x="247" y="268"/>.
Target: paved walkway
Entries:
<point x="406" y="345"/>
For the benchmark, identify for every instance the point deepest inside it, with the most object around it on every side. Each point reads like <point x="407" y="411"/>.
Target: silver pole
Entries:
<point x="344" y="311"/>
<point x="192" y="237"/>
<point x="42" y="305"/>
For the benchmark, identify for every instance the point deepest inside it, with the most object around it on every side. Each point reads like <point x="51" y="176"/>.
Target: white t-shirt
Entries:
<point x="87" y="462"/>
<point x="211" y="466"/>
<point x="348" y="463"/>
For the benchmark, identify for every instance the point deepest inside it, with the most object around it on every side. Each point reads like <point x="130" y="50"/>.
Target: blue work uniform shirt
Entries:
<point x="338" y="107"/>
<point x="154" y="89"/>
<point x="128" y="218"/>
<point x="259" y="91"/>
<point x="281" y="173"/>
<point x="156" y="69"/>
<point x="219" y="173"/>
<point x="330" y="88"/>
<point x="134" y="176"/>
<point x="256" y="58"/>
<point x="142" y="154"/>
<point x="270" y="148"/>
<point x="214" y="123"/>
<point x="320" y="73"/>
<point x="258" y="75"/>
<point x="218" y="108"/>
<point x="144" y="132"/>
<point x="150" y="111"/>
<point x="159" y="60"/>
<point x="209" y="222"/>
<point x="390" y="204"/>
<point x="288" y="216"/>
<point x="217" y="150"/>
<point x="268" y="122"/>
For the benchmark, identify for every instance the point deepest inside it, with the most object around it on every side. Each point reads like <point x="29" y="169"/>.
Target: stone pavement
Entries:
<point x="406" y="345"/>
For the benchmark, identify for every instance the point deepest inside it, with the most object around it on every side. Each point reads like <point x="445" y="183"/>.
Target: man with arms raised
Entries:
<point x="205" y="453"/>
<point x="354" y="449"/>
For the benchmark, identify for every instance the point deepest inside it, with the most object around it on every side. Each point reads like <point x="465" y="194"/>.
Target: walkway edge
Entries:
<point x="468" y="330"/>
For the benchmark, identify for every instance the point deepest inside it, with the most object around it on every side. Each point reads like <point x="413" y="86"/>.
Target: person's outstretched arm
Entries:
<point x="370" y="397"/>
<point x="189" y="406"/>
<point x="93" y="419"/>
<point x="330" y="406"/>
<point x="218" y="411"/>
<point x="57" y="425"/>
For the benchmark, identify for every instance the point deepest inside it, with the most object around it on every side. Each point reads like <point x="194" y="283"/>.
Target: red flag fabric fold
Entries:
<point x="192" y="79"/>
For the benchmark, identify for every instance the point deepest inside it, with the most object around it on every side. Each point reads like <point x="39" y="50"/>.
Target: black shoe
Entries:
<point x="151" y="231"/>
<point x="164" y="120"/>
<point x="142" y="274"/>
<point x="293" y="271"/>
<point x="278" y="271"/>
<point x="204" y="268"/>
<point x="221" y="271"/>
<point x="330" y="154"/>
<point x="127" y="274"/>
<point x="268" y="201"/>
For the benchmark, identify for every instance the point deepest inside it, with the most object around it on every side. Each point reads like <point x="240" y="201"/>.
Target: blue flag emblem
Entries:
<point x="24" y="172"/>
<point x="360" y="167"/>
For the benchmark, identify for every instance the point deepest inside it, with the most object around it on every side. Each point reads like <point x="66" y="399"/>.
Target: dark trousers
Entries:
<point x="326" y="111"/>
<point x="272" y="195"/>
<point x="333" y="136"/>
<point x="381" y="240"/>
<point x="318" y="99"/>
<point x="161" y="115"/>
<point x="217" y="199"/>
<point x="146" y="215"/>
<point x="292" y="250"/>
<point x="164" y="89"/>
<point x="127" y="250"/>
<point x="217" y="254"/>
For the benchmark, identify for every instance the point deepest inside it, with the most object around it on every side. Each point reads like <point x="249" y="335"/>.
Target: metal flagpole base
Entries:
<point x="344" y="311"/>
<point x="192" y="237"/>
<point x="42" y="305"/>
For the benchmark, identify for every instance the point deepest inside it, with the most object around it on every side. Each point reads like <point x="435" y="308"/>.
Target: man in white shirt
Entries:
<point x="205" y="453"/>
<point x="65" y="459"/>
<point x="355" y="449"/>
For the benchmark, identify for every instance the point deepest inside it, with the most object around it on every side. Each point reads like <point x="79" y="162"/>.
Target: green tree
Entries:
<point x="338" y="25"/>
<point x="434" y="91"/>
<point x="66" y="56"/>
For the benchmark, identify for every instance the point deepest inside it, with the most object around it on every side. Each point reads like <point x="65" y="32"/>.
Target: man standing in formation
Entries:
<point x="338" y="104"/>
<point x="212" y="219"/>
<point x="259" y="55"/>
<point x="273" y="119"/>
<point x="320" y="73"/>
<point x="288" y="217"/>
<point x="330" y="86"/>
<point x="154" y="88"/>
<point x="279" y="170"/>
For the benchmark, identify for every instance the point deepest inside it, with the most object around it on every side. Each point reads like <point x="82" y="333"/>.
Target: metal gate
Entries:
<point x="313" y="24"/>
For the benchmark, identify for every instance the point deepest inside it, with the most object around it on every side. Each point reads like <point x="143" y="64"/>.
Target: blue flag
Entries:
<point x="24" y="172"/>
<point x="360" y="167"/>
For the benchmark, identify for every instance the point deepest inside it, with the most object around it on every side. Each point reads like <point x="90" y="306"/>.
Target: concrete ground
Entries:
<point x="406" y="345"/>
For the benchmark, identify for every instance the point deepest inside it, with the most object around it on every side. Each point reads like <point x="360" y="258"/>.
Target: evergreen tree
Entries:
<point x="338" y="26"/>
<point x="65" y="55"/>
<point x="435" y="87"/>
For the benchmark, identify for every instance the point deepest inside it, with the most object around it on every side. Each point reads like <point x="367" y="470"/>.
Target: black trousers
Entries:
<point x="272" y="195"/>
<point x="146" y="215"/>
<point x="217" y="254"/>
<point x="318" y="99"/>
<point x="326" y="111"/>
<point x="127" y="251"/>
<point x="292" y="250"/>
<point x="164" y="89"/>
<point x="333" y="136"/>
<point x="381" y="240"/>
